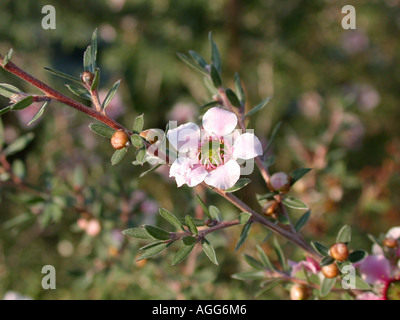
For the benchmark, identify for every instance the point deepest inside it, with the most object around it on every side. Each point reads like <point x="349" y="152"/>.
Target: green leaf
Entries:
<point x="271" y="284"/>
<point x="138" y="233"/>
<point x="5" y="110"/>
<point x="264" y="258"/>
<point x="272" y="138"/>
<point x="96" y="80"/>
<point x="257" y="108"/>
<point x="280" y="255"/>
<point x="215" y="56"/>
<point x="141" y="155"/>
<point x="320" y="248"/>
<point x="150" y="245"/>
<point x="244" y="234"/>
<point x="251" y="275"/>
<point x="210" y="104"/>
<point x="39" y="113"/>
<point x="327" y="260"/>
<point x="326" y="287"/>
<point x="297" y="174"/>
<point x="64" y="75"/>
<point x="88" y="61"/>
<point x="209" y="251"/>
<point x="18" y="144"/>
<point x="7" y="90"/>
<point x="197" y="222"/>
<point x="233" y="99"/>
<point x="149" y="171"/>
<point x="357" y="255"/>
<point x="18" y="168"/>
<point x="137" y="141"/>
<point x="198" y="58"/>
<point x="344" y="234"/>
<point x="22" y="104"/>
<point x="94" y="48"/>
<point x="8" y="57"/>
<point x="191" y="63"/>
<point x="283" y="219"/>
<point x="111" y="94"/>
<point x="189" y="240"/>
<point x="203" y="206"/>
<point x="361" y="284"/>
<point x="102" y="130"/>
<point x="157" y="232"/>
<point x="215" y="213"/>
<point x="253" y="262"/>
<point x="215" y="77"/>
<point x="241" y="183"/>
<point x="138" y="124"/>
<point x="244" y="217"/>
<point x="294" y="203"/>
<point x="154" y="250"/>
<point x="170" y="217"/>
<point x="192" y="227"/>
<point x="181" y="254"/>
<point x="374" y="239"/>
<point x="1" y="134"/>
<point x="267" y="196"/>
<point x="118" y="155"/>
<point x="302" y="221"/>
<point x="239" y="89"/>
<point x="79" y="91"/>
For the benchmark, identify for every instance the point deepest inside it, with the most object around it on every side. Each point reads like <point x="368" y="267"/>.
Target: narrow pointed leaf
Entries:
<point x="102" y="130"/>
<point x="160" y="247"/>
<point x="239" y="89"/>
<point x="320" y="248"/>
<point x="118" y="155"/>
<point x="264" y="258"/>
<point x="326" y="287"/>
<point x="111" y="94"/>
<point x="149" y="171"/>
<point x="327" y="260"/>
<point x="257" y="108"/>
<point x="357" y="255"/>
<point x="138" y="124"/>
<point x="88" y="63"/>
<point x="189" y="240"/>
<point x="7" y="90"/>
<point x="18" y="144"/>
<point x="141" y="156"/>
<point x="215" y="56"/>
<point x="361" y="284"/>
<point x="244" y="217"/>
<point x="273" y="135"/>
<point x="197" y="222"/>
<point x="344" y="234"/>
<point x="302" y="221"/>
<point x="64" y="75"/>
<point x="280" y="255"/>
<point x="233" y="99"/>
<point x="215" y="213"/>
<point x="138" y="233"/>
<point x="251" y="275"/>
<point x="294" y="203"/>
<point x="39" y="113"/>
<point x="157" y="232"/>
<point x="241" y="183"/>
<point x="192" y="227"/>
<point x="8" y="57"/>
<point x="191" y="63"/>
<point x="244" y="234"/>
<point x="182" y="254"/>
<point x="210" y="104"/>
<point x="96" y="80"/>
<point x="93" y="48"/>
<point x="24" y="103"/>
<point x="205" y="209"/>
<point x="209" y="251"/>
<point x="5" y="110"/>
<point x="215" y="77"/>
<point x="79" y="91"/>
<point x="297" y="174"/>
<point x="198" y="58"/>
<point x="170" y="217"/>
<point x="253" y="262"/>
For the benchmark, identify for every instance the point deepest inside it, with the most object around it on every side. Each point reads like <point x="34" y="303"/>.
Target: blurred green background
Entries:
<point x="336" y="92"/>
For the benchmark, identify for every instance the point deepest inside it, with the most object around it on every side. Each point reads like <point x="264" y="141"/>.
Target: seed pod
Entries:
<point x="339" y="251"/>
<point x="330" y="271"/>
<point x="271" y="208"/>
<point x="119" y="140"/>
<point x="299" y="292"/>
<point x="390" y="243"/>
<point x="280" y="182"/>
<point x="87" y="77"/>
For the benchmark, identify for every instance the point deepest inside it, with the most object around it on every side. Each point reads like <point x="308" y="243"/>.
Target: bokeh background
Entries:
<point x="336" y="92"/>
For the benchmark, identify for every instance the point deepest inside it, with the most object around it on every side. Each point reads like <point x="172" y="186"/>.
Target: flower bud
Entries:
<point x="280" y="182"/>
<point x="87" y="77"/>
<point x="330" y="271"/>
<point x="271" y="208"/>
<point x="299" y="292"/>
<point x="390" y="243"/>
<point x="119" y="140"/>
<point x="151" y="135"/>
<point x="339" y="251"/>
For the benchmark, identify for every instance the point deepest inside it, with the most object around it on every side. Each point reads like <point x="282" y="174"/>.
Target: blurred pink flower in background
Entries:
<point x="354" y="41"/>
<point x="26" y="115"/>
<point x="374" y="269"/>
<point x="309" y="265"/>
<point x="182" y="112"/>
<point x="116" y="107"/>
<point x="310" y="104"/>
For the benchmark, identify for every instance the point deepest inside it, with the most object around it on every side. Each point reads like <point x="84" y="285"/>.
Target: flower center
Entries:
<point x="392" y="290"/>
<point x="213" y="153"/>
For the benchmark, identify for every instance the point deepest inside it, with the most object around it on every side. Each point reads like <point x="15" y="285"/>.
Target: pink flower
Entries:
<point x="211" y="155"/>
<point x="374" y="269"/>
<point x="309" y="265"/>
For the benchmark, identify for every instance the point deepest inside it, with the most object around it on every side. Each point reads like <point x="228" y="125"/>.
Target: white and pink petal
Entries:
<point x="219" y="122"/>
<point x="224" y="176"/>
<point x="247" y="146"/>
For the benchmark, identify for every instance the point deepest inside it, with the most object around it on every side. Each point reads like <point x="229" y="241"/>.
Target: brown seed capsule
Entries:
<point x="339" y="251"/>
<point x="299" y="292"/>
<point x="330" y="271"/>
<point x="390" y="243"/>
<point x="87" y="77"/>
<point x="271" y="208"/>
<point x="119" y="140"/>
<point x="280" y="182"/>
